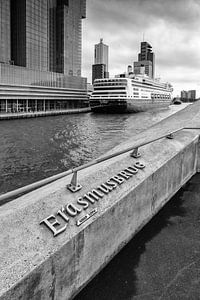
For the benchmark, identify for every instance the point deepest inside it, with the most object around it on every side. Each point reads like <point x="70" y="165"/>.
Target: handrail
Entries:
<point x="23" y="190"/>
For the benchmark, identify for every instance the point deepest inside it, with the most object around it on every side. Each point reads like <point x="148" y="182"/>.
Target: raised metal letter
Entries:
<point x="139" y="165"/>
<point x="72" y="210"/>
<point x="50" y="225"/>
<point x="118" y="179"/>
<point x="62" y="214"/>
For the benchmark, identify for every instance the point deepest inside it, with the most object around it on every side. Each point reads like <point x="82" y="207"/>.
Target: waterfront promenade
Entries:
<point x="39" y="265"/>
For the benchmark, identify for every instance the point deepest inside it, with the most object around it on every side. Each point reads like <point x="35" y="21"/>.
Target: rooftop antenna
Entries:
<point x="143" y="36"/>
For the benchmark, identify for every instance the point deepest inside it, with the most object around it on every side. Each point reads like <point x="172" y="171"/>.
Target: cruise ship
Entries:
<point x="134" y="93"/>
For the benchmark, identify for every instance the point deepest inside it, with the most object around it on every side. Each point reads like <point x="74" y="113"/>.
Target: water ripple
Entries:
<point x="32" y="149"/>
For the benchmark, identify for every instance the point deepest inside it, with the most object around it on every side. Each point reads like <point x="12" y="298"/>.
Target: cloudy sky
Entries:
<point x="172" y="27"/>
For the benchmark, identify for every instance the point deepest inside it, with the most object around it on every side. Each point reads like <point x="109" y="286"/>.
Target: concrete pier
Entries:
<point x="53" y="241"/>
<point x="26" y="115"/>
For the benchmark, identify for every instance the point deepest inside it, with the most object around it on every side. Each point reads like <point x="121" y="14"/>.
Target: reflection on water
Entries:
<point x="32" y="149"/>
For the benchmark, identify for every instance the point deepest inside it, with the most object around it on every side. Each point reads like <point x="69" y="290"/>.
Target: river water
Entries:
<point x="33" y="149"/>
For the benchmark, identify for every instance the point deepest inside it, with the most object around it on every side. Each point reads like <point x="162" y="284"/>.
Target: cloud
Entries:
<point x="172" y="27"/>
<point x="183" y="13"/>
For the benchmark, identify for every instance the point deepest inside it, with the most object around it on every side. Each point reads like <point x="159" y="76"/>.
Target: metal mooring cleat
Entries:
<point x="135" y="153"/>
<point x="74" y="186"/>
<point x="170" y="136"/>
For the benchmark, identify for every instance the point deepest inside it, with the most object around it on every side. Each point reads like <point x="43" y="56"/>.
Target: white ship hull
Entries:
<point x="127" y="106"/>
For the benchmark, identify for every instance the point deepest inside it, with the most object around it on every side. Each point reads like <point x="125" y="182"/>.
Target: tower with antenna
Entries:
<point x="146" y="59"/>
<point x="100" y="66"/>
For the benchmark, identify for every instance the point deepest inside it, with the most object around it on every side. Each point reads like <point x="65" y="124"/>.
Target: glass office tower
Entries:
<point x="146" y="59"/>
<point x="40" y="53"/>
<point x="100" y="67"/>
<point x="4" y="31"/>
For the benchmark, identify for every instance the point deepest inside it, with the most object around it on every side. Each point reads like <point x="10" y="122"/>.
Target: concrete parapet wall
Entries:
<point x="35" y="264"/>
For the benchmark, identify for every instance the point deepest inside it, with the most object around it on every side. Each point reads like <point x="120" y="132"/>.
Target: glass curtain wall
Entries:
<point x="4" y="31"/>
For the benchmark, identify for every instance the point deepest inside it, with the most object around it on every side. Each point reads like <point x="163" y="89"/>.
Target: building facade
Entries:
<point x="40" y="54"/>
<point x="99" y="71"/>
<point x="146" y="59"/>
<point x="188" y="96"/>
<point x="100" y="67"/>
<point x="184" y="95"/>
<point x="143" y="66"/>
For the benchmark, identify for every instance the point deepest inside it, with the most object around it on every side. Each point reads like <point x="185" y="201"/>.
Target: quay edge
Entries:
<point x="27" y="115"/>
<point x="36" y="265"/>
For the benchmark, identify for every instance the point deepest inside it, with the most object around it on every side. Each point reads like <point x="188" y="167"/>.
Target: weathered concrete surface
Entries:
<point x="36" y="265"/>
<point x="162" y="261"/>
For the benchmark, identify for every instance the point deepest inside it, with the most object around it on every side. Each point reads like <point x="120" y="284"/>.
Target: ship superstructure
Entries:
<point x="130" y="94"/>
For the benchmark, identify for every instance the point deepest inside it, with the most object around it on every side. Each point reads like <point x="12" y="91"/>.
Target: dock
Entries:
<point x="26" y="115"/>
<point x="56" y="238"/>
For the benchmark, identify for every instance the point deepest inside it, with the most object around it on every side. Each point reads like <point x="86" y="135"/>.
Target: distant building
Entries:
<point x="146" y="59"/>
<point x="184" y="96"/>
<point x="188" y="96"/>
<point x="192" y="95"/>
<point x="101" y="54"/>
<point x="99" y="71"/>
<point x="40" y="54"/>
<point x="100" y="67"/>
<point x="90" y="89"/>
<point x="144" y="66"/>
<point x="129" y="70"/>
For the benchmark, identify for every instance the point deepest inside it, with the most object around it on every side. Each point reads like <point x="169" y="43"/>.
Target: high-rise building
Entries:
<point x="40" y="54"/>
<point x="98" y="71"/>
<point x="184" y="96"/>
<point x="100" y="67"/>
<point x="144" y="66"/>
<point x="192" y="95"/>
<point x="188" y="96"/>
<point x="101" y="54"/>
<point x="5" y="54"/>
<point x="146" y="59"/>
